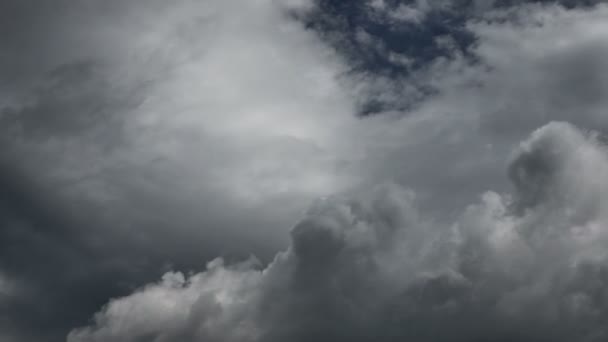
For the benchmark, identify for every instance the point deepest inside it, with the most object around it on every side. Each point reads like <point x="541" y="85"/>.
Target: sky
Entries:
<point x="303" y="170"/>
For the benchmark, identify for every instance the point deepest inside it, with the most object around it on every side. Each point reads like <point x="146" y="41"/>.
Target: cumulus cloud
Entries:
<point x="155" y="136"/>
<point x="527" y="266"/>
<point x="527" y="65"/>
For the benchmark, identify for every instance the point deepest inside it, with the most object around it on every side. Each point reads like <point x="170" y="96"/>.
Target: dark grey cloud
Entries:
<point x="373" y="268"/>
<point x="138" y="137"/>
<point x="100" y="192"/>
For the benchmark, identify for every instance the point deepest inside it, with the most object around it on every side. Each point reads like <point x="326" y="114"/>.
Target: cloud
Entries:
<point x="373" y="268"/>
<point x="553" y="57"/>
<point x="529" y="64"/>
<point x="157" y="137"/>
<point x="172" y="134"/>
<point x="411" y="12"/>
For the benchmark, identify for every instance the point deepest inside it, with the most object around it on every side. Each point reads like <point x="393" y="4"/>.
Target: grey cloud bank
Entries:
<point x="530" y="267"/>
<point x="142" y="137"/>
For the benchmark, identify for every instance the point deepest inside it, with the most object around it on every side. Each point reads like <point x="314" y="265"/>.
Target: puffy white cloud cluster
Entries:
<point x="531" y="266"/>
<point x="529" y="64"/>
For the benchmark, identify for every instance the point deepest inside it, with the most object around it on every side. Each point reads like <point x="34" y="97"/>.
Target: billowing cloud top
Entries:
<point x="451" y="155"/>
<point x="528" y="268"/>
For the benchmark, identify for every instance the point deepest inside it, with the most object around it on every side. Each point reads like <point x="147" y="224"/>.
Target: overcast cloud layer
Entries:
<point x="401" y="170"/>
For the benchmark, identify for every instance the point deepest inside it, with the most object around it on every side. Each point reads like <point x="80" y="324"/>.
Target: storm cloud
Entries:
<point x="450" y="154"/>
<point x="529" y="266"/>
